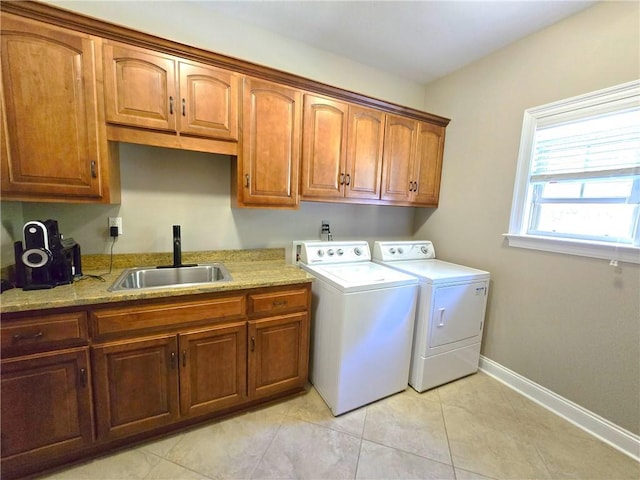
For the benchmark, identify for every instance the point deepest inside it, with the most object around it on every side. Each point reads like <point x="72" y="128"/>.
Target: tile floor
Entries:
<point x="474" y="428"/>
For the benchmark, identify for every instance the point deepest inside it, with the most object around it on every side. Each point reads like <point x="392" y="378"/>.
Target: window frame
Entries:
<point x="595" y="103"/>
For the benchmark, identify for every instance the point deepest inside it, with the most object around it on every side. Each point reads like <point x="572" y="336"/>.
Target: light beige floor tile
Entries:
<point x="491" y="446"/>
<point x="431" y="395"/>
<point x="568" y="451"/>
<point x="311" y="408"/>
<point x="130" y="464"/>
<point x="410" y="424"/>
<point x="386" y="463"/>
<point x="462" y="474"/>
<point x="162" y="446"/>
<point x="478" y="390"/>
<point x="302" y="450"/>
<point x="166" y="470"/>
<point x="231" y="448"/>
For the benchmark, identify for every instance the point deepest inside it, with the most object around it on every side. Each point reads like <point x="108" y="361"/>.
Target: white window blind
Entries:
<point x="595" y="147"/>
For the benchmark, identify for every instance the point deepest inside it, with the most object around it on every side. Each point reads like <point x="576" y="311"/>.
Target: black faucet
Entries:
<point x="177" y="251"/>
<point x="177" y="247"/>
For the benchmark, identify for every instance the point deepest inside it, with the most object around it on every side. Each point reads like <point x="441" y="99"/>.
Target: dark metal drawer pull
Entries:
<point x="280" y="303"/>
<point x="21" y="336"/>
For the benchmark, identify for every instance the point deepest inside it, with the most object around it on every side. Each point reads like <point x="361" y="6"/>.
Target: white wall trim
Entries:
<point x="610" y="433"/>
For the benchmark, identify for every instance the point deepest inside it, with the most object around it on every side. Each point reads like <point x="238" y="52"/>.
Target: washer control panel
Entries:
<point x="334" y="252"/>
<point x="406" y="250"/>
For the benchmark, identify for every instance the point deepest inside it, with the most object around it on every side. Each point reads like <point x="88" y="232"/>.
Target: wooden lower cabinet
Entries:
<point x="278" y="356"/>
<point x="213" y="369"/>
<point x="146" y="383"/>
<point x="143" y="368"/>
<point x="136" y="385"/>
<point x="46" y="408"/>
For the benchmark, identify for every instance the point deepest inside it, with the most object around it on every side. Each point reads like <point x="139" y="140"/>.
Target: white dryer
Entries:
<point x="452" y="301"/>
<point x="362" y="318"/>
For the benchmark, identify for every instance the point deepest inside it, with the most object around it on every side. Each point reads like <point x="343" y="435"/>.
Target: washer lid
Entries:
<point x="356" y="277"/>
<point x="437" y="271"/>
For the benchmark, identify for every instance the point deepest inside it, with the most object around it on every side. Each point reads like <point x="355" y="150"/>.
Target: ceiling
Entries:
<point x="416" y="40"/>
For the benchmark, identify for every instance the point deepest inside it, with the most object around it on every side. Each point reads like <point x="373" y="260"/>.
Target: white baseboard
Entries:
<point x="601" y="428"/>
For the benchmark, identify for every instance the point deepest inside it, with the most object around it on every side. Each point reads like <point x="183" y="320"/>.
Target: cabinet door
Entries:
<point x="136" y="385"/>
<point x="427" y="167"/>
<point x="208" y="102"/>
<point x="49" y="120"/>
<point x="268" y="166"/>
<point x="364" y="155"/>
<point x="399" y="148"/>
<point x="213" y="368"/>
<point x="46" y="408"/>
<point x="324" y="148"/>
<point x="140" y="87"/>
<point x="278" y="354"/>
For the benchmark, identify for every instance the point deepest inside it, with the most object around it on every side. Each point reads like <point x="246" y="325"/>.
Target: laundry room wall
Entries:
<point x="568" y="323"/>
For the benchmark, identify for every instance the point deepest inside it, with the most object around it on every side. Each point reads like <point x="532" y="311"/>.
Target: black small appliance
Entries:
<point x="46" y="259"/>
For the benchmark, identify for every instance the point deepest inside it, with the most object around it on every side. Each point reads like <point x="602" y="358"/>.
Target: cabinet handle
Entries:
<point x="21" y="336"/>
<point x="253" y="343"/>
<point x="347" y="179"/>
<point x="184" y="358"/>
<point x="94" y="172"/>
<point x="342" y="179"/>
<point x="184" y="108"/>
<point x="415" y="186"/>
<point x="171" y="105"/>
<point x="280" y="303"/>
<point x="246" y="182"/>
<point x="173" y="360"/>
<point x="83" y="377"/>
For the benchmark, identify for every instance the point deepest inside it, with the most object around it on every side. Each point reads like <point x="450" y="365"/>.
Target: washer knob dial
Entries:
<point x="392" y="250"/>
<point x="357" y="251"/>
<point x="340" y="251"/>
<point x="400" y="250"/>
<point x="424" y="249"/>
<point x="320" y="252"/>
<point x="330" y="252"/>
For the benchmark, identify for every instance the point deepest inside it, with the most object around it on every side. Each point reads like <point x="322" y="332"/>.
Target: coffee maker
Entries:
<point x="46" y="259"/>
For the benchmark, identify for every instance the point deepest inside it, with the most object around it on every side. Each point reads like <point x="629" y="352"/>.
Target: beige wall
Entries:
<point x="571" y="324"/>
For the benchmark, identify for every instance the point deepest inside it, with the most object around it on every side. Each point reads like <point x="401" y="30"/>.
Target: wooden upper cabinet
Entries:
<point x="152" y="90"/>
<point x="399" y="148"/>
<point x="364" y="152"/>
<point x="341" y="150"/>
<point x="324" y="147"/>
<point x="52" y="126"/>
<point x="427" y="166"/>
<point x="208" y="101"/>
<point x="140" y="87"/>
<point x="270" y="155"/>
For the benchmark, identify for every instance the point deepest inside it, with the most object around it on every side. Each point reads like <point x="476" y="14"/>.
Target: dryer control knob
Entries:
<point x="340" y="251"/>
<point x="330" y="252"/>
<point x="320" y="253"/>
<point x="424" y="249"/>
<point x="400" y="250"/>
<point x="392" y="250"/>
<point x="357" y="251"/>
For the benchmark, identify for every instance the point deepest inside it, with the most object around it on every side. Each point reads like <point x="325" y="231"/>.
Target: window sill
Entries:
<point x="621" y="253"/>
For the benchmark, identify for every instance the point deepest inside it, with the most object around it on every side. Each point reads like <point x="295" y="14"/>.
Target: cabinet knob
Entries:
<point x="246" y="180"/>
<point x="253" y="344"/>
<point x="184" y="108"/>
<point x="173" y="360"/>
<point x="83" y="377"/>
<point x="184" y="358"/>
<point x="171" y="105"/>
<point x="94" y="172"/>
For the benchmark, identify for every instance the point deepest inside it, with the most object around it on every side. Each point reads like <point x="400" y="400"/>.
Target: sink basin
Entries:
<point x="152" y="277"/>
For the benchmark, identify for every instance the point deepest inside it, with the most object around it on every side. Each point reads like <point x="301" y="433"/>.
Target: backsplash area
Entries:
<point x="164" y="187"/>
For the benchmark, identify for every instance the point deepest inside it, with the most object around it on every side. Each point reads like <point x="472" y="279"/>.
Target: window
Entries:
<point x="577" y="187"/>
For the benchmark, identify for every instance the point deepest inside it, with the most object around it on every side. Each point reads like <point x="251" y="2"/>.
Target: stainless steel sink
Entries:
<point x="153" y="277"/>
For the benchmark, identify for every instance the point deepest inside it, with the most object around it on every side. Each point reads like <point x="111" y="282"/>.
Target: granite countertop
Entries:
<point x="248" y="269"/>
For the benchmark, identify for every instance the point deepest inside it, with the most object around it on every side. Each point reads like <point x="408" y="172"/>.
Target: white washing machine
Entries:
<point x="362" y="318"/>
<point x="452" y="301"/>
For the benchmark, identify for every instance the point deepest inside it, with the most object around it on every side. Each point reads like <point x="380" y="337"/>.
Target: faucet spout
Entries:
<point x="177" y="247"/>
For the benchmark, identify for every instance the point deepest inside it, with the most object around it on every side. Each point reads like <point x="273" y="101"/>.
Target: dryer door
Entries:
<point x="457" y="313"/>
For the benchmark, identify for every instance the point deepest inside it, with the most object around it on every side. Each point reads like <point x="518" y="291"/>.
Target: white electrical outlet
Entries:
<point x="116" y="222"/>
